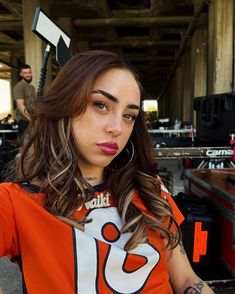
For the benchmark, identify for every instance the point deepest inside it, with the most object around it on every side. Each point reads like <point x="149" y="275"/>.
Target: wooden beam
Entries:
<point x="141" y="21"/>
<point x="12" y="47"/>
<point x="78" y="8"/>
<point x="4" y="38"/>
<point x="131" y="12"/>
<point x="8" y="17"/>
<point x="14" y="7"/>
<point x="145" y="57"/>
<point x="8" y="64"/>
<point x="5" y="70"/>
<point x="133" y="44"/>
<point x="4" y="55"/>
<point x="11" y="25"/>
<point x="5" y="76"/>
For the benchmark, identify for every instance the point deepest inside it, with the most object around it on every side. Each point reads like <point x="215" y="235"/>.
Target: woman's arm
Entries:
<point x="182" y="277"/>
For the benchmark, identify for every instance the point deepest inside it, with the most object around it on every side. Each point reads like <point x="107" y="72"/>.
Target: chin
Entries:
<point x="28" y="80"/>
<point x="103" y="164"/>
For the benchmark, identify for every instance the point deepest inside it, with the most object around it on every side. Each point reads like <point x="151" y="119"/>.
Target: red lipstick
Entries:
<point x="109" y="148"/>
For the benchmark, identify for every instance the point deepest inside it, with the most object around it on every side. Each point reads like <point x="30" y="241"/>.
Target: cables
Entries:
<point x="43" y="72"/>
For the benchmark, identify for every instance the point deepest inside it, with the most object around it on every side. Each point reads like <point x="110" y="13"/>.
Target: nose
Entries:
<point x="114" y="126"/>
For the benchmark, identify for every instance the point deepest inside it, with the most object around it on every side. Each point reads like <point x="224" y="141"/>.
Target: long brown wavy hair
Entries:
<point x="50" y="155"/>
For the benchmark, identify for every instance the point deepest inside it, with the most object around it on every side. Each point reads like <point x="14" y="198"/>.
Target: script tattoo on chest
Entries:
<point x="90" y="178"/>
<point x="196" y="289"/>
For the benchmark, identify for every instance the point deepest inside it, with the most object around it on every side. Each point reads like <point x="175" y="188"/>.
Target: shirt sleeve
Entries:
<point x="167" y="195"/>
<point x="175" y="210"/>
<point x="8" y="231"/>
<point x="18" y="92"/>
<point x="137" y="201"/>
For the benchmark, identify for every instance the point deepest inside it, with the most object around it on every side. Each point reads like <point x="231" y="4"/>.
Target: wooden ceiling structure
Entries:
<point x="151" y="34"/>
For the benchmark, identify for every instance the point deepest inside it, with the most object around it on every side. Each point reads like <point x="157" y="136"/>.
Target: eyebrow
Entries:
<point x="114" y="99"/>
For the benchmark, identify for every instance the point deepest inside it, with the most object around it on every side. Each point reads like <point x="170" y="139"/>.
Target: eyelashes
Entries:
<point x="104" y="108"/>
<point x="130" y="117"/>
<point x="100" y="105"/>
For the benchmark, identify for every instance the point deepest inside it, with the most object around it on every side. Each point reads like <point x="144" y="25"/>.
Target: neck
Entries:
<point x="93" y="180"/>
<point x="93" y="177"/>
<point x="92" y="174"/>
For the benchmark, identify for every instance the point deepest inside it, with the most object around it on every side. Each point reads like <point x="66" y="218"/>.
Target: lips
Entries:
<point x="109" y="148"/>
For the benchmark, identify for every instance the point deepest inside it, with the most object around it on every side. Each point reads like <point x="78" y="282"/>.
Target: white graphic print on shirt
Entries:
<point x="123" y="272"/>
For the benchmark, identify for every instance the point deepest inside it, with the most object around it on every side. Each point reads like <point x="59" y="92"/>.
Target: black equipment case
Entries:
<point x="198" y="232"/>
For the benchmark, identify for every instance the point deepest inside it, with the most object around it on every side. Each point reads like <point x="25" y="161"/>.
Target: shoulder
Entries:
<point x="31" y="86"/>
<point x="165" y="194"/>
<point x="18" y="85"/>
<point x="8" y="187"/>
<point x="18" y="90"/>
<point x="15" y="193"/>
<point x="7" y="192"/>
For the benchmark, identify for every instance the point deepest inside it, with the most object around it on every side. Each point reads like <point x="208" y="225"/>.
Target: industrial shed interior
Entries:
<point x="183" y="51"/>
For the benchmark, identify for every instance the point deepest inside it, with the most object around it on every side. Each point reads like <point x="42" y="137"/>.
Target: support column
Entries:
<point x="186" y="105"/>
<point x="14" y="80"/>
<point x="220" y="57"/>
<point x="168" y="103"/>
<point x="162" y="103"/>
<point x="172" y="109"/>
<point x="176" y="95"/>
<point x="199" y="64"/>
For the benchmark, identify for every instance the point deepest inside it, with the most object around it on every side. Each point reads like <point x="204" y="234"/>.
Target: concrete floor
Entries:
<point x="10" y="276"/>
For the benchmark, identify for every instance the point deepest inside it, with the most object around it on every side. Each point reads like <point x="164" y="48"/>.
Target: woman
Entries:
<point x="88" y="213"/>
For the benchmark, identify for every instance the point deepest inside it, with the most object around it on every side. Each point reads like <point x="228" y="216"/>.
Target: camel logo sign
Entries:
<point x="221" y="152"/>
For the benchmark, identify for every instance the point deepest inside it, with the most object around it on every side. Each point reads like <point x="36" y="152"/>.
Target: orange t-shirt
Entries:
<point x="57" y="258"/>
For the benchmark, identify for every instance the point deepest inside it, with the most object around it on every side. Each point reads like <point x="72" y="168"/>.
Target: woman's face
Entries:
<point x="103" y="130"/>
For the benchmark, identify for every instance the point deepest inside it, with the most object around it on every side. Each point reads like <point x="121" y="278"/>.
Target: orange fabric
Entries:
<point x="176" y="212"/>
<point x="44" y="242"/>
<point x="59" y="259"/>
<point x="137" y="201"/>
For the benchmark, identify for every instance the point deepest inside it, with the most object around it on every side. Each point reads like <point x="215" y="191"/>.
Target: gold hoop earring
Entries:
<point x="130" y="160"/>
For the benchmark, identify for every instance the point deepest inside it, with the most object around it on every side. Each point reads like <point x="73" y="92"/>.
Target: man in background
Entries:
<point x="24" y="94"/>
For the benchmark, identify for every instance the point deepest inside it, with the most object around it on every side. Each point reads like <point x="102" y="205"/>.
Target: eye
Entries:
<point x="130" y="117"/>
<point x="100" y="105"/>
